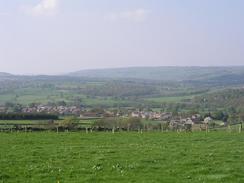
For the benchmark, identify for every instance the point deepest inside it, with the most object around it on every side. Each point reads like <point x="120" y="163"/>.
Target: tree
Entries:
<point x="61" y="103"/>
<point x="218" y="115"/>
<point x="233" y="119"/>
<point x="69" y="123"/>
<point x="106" y="123"/>
<point x="17" y="108"/>
<point x="241" y="116"/>
<point x="134" y="123"/>
<point x="165" y="126"/>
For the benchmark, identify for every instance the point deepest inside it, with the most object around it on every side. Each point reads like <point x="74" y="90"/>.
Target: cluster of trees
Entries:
<point x="29" y="116"/>
<point x="69" y="123"/>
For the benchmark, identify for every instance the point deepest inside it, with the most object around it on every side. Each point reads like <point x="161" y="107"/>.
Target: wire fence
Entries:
<point x="238" y="127"/>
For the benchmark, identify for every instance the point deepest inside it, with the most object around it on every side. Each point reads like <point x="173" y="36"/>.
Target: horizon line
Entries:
<point x="111" y="68"/>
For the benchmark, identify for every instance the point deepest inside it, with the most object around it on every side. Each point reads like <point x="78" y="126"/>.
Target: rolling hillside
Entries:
<point x="166" y="73"/>
<point x="4" y="74"/>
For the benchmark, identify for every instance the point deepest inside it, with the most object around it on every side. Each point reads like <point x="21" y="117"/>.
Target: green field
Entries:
<point x="121" y="157"/>
<point x="170" y="99"/>
<point x="23" y="122"/>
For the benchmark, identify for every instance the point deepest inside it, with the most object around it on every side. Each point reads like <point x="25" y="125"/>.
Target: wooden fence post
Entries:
<point x="113" y="130"/>
<point x="229" y="128"/>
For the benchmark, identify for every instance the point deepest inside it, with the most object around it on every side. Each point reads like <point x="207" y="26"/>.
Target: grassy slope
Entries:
<point x="121" y="157"/>
<point x="44" y="89"/>
<point x="170" y="99"/>
<point x="22" y="121"/>
<point x="163" y="73"/>
<point x="31" y="95"/>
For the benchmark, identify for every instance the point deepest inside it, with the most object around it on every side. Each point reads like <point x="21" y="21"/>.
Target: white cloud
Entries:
<point x="138" y="15"/>
<point x="45" y="7"/>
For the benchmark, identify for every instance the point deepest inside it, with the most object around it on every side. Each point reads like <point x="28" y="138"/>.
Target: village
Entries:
<point x="173" y="121"/>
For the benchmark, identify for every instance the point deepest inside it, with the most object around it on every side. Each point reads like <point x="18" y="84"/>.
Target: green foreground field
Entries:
<point x="121" y="157"/>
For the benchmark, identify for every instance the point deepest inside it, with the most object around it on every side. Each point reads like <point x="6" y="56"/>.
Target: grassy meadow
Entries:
<point x="170" y="99"/>
<point x="121" y="157"/>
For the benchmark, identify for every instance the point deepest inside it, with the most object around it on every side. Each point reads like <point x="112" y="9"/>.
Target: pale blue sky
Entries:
<point x="59" y="36"/>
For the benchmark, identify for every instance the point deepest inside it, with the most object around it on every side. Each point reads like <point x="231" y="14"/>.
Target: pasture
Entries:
<point x="170" y="99"/>
<point x="121" y="157"/>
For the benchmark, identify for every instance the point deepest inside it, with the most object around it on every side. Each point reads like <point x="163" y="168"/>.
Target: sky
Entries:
<point x="61" y="36"/>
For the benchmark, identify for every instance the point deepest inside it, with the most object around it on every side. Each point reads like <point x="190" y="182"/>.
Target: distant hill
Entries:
<point x="165" y="73"/>
<point x="4" y="74"/>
